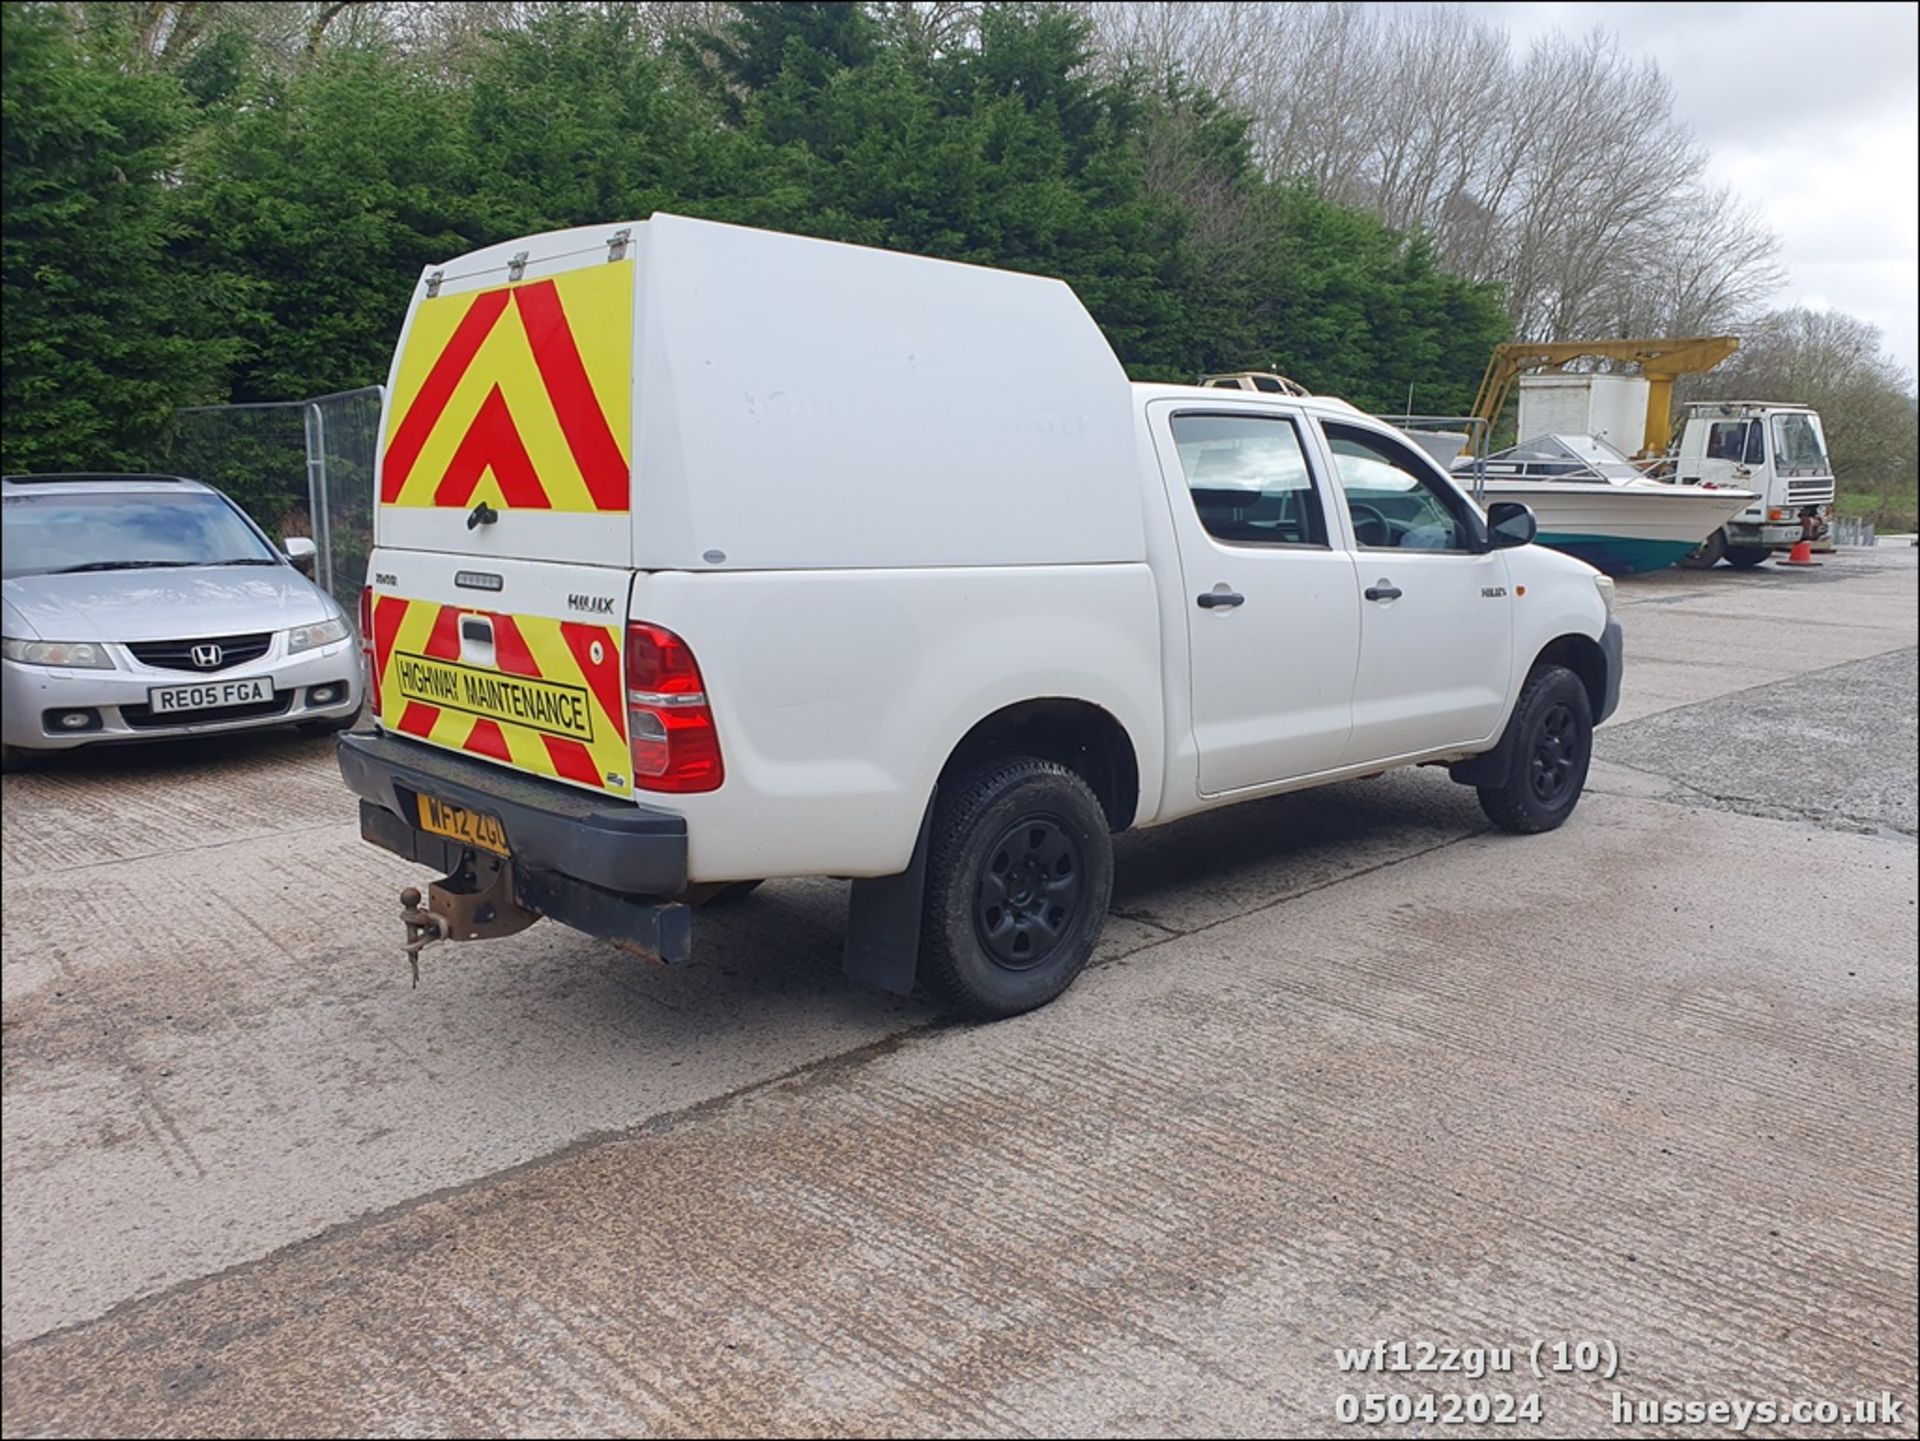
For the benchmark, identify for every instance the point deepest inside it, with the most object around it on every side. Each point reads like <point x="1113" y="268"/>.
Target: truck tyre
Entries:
<point x="1746" y="557"/>
<point x="1019" y="873"/>
<point x="1550" y="742"/>
<point x="1711" y="550"/>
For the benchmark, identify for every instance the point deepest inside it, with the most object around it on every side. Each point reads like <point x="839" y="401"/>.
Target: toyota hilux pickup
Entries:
<point x="706" y="555"/>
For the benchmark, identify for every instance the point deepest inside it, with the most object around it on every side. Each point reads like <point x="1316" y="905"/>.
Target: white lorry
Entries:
<point x="1777" y="451"/>
<point x="706" y="555"/>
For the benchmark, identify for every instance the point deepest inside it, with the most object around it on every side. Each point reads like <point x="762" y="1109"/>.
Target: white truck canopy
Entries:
<point x="801" y="404"/>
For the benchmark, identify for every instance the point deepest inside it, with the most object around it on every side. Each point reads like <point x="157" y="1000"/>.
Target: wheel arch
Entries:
<point x="1583" y="656"/>
<point x="1587" y="659"/>
<point x="1084" y="737"/>
<point x="884" y="912"/>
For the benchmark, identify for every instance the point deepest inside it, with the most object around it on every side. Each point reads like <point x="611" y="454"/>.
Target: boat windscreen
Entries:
<point x="1563" y="457"/>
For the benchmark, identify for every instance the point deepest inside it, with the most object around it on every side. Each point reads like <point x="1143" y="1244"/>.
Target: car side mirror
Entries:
<point x="303" y="553"/>
<point x="1509" y="523"/>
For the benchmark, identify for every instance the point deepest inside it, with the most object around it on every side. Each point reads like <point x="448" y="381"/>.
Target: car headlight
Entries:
<point x="1604" y="584"/>
<point x="79" y="654"/>
<point x="306" y="637"/>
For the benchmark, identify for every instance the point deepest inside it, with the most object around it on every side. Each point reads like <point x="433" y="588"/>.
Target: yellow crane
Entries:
<point x="1660" y="361"/>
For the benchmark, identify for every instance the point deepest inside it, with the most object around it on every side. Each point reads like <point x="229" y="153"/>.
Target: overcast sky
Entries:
<point x="1812" y="115"/>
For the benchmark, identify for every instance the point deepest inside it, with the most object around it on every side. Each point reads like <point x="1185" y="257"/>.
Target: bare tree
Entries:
<point x="166" y="34"/>
<point x="933" y="27"/>
<point x="1561" y="172"/>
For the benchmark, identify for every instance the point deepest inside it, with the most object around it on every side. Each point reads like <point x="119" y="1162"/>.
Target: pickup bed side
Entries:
<point x="840" y="696"/>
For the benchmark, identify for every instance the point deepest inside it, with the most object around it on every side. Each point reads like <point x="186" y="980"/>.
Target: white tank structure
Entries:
<point x="1612" y="408"/>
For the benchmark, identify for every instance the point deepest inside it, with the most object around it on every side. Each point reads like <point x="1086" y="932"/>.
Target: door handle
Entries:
<point x="1216" y="599"/>
<point x="1386" y="590"/>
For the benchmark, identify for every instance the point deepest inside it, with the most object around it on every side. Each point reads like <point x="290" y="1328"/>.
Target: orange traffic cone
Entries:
<point x="1801" y="554"/>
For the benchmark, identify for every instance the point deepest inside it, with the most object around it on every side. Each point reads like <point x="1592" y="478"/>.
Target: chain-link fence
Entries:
<point x="299" y="467"/>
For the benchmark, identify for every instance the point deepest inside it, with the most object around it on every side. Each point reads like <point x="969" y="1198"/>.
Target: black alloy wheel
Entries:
<point x="1558" y="747"/>
<point x="1029" y="892"/>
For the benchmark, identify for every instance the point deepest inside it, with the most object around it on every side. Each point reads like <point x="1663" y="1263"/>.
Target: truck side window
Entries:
<point x="1756" y="444"/>
<point x="1249" y="479"/>
<point x="1395" y="501"/>
<point x="1725" y="439"/>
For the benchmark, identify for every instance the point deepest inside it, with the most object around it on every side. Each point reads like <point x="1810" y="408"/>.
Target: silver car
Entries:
<point x="142" y="606"/>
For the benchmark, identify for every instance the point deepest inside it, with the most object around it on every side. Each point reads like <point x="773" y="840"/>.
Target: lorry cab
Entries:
<point x="1779" y="452"/>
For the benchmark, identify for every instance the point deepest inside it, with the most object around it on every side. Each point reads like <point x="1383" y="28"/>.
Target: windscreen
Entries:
<point x="1798" y="446"/>
<point x="56" y="534"/>
<point x="1601" y="458"/>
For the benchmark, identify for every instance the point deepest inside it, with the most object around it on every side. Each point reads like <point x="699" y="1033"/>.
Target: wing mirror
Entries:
<point x="1509" y="523"/>
<point x="302" y="552"/>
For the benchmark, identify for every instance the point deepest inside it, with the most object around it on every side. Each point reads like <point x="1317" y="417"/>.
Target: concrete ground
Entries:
<point x="1350" y="1068"/>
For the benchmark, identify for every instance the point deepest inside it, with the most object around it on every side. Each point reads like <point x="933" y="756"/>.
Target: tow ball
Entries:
<point x="475" y="903"/>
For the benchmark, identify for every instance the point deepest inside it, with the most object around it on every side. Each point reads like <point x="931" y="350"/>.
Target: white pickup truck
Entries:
<point x="706" y="555"/>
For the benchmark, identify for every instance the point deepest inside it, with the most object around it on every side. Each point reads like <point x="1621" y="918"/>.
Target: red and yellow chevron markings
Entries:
<point x="519" y="396"/>
<point x="552" y="703"/>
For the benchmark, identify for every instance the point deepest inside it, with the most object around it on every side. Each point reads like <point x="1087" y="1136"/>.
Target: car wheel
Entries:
<point x="1711" y="550"/>
<point x="1746" y="557"/>
<point x="1550" y="744"/>
<point x="1019" y="873"/>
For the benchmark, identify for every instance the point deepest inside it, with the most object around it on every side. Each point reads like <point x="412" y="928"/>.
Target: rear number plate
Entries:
<point x="170" y="700"/>
<point x="473" y="828"/>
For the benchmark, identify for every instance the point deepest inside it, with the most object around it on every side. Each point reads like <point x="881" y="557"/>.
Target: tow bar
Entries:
<point x="475" y="903"/>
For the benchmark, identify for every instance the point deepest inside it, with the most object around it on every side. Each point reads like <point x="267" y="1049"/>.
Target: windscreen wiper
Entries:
<point x="119" y="565"/>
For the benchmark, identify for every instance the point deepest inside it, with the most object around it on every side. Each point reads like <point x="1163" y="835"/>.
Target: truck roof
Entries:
<point x="1733" y="405"/>
<point x="1220" y="395"/>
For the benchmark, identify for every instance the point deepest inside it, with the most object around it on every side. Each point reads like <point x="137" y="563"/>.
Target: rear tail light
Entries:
<point x="366" y="646"/>
<point x="675" y="745"/>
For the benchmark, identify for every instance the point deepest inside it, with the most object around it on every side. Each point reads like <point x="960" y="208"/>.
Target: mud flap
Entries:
<point x="1489" y="768"/>
<point x="883" y="921"/>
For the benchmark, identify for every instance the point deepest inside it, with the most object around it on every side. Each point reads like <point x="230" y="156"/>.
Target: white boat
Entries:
<point x="1592" y="502"/>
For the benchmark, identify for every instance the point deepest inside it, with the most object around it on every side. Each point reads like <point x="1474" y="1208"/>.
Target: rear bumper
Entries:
<point x="614" y="845"/>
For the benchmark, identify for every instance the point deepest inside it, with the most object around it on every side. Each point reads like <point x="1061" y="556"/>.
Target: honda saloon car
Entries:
<point x="143" y="606"/>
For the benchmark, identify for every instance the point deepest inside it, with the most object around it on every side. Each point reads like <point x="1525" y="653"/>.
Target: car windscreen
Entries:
<point x="52" y="534"/>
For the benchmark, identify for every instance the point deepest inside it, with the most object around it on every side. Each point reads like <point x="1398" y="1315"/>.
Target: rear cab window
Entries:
<point x="1249" y="479"/>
